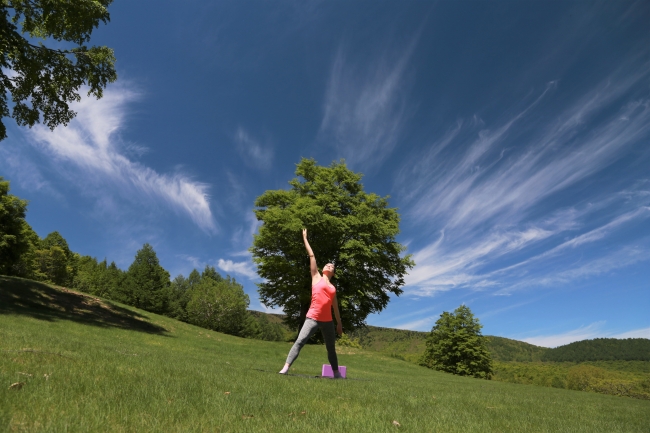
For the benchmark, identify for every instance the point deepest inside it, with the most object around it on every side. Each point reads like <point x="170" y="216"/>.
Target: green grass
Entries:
<point x="117" y="369"/>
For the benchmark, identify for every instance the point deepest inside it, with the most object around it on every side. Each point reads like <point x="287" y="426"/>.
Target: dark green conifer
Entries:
<point x="146" y="283"/>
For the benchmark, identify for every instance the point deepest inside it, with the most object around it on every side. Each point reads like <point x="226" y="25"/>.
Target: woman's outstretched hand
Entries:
<point x="304" y="233"/>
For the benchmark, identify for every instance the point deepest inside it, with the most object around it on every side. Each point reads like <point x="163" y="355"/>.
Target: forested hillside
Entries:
<point x="505" y="349"/>
<point x="601" y="349"/>
<point x="205" y="299"/>
<point x="399" y="343"/>
<point x="409" y="345"/>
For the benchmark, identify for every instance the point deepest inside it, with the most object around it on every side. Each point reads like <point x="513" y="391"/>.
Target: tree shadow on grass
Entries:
<point x="44" y="302"/>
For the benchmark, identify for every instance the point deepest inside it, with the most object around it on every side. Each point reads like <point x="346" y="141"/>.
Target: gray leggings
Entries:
<point x="308" y="329"/>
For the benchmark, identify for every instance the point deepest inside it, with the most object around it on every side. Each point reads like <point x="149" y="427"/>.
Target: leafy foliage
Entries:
<point x="259" y="326"/>
<point x="505" y="349"/>
<point x="43" y="80"/>
<point x="179" y="297"/>
<point x="99" y="279"/>
<point x="398" y="343"/>
<point x="621" y="378"/>
<point x="353" y="229"/>
<point x="218" y="305"/>
<point x="601" y="349"/>
<point x="22" y="253"/>
<point x="146" y="283"/>
<point x="54" y="262"/>
<point x="14" y="230"/>
<point x="455" y="345"/>
<point x="346" y="341"/>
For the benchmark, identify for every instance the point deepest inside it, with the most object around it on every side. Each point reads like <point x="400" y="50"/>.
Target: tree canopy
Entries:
<point x="219" y="305"/>
<point x="14" y="230"/>
<point x="347" y="226"/>
<point x="53" y="260"/>
<point x="455" y="345"/>
<point x="146" y="283"/>
<point x="41" y="80"/>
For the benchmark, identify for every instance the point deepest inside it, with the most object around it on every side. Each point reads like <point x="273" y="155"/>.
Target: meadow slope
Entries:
<point x="85" y="364"/>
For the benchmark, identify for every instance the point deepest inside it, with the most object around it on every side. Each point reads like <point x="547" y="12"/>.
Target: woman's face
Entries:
<point x="329" y="269"/>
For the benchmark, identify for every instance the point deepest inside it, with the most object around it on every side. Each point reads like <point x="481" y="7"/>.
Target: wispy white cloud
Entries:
<point x="411" y="314"/>
<point x="439" y="269"/>
<point x="271" y="310"/>
<point x="583" y="333"/>
<point x="243" y="236"/>
<point x="622" y="258"/>
<point x="498" y="311"/>
<point x="243" y="268"/>
<point x="585" y="238"/>
<point x="94" y="158"/>
<point x="482" y="185"/>
<point x="418" y="325"/>
<point x="253" y="152"/>
<point x="635" y="333"/>
<point x="236" y="189"/>
<point x="594" y="330"/>
<point x="365" y="110"/>
<point x="195" y="262"/>
<point x="485" y="189"/>
<point x="22" y="169"/>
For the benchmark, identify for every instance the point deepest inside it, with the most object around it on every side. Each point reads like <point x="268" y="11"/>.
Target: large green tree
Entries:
<point x="54" y="261"/>
<point x="347" y="226"/>
<point x="16" y="236"/>
<point x="455" y="345"/>
<point x="43" y="80"/>
<point x="218" y="305"/>
<point x="146" y="283"/>
<point x="182" y="288"/>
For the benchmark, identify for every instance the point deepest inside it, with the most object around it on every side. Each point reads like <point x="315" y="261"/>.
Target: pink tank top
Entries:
<point x="322" y="295"/>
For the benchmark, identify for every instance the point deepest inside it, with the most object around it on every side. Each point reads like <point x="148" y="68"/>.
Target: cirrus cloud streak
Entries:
<point x="95" y="159"/>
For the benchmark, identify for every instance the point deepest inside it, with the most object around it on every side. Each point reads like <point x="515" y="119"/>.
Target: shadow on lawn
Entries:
<point x="44" y="302"/>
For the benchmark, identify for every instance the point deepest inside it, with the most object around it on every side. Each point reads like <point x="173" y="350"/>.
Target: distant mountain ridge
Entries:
<point x="410" y="344"/>
<point x="601" y="349"/>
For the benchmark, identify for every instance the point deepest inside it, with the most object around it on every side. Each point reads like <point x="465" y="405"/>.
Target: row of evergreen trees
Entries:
<point x="205" y="299"/>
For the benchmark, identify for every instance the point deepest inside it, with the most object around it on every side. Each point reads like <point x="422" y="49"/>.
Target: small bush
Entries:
<point x="220" y="306"/>
<point x="346" y="341"/>
<point x="584" y="377"/>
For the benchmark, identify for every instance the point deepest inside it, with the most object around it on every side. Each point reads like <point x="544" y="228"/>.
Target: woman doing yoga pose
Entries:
<point x="323" y="299"/>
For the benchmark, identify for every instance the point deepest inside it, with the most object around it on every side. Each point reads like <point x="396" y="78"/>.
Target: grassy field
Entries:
<point x="84" y="364"/>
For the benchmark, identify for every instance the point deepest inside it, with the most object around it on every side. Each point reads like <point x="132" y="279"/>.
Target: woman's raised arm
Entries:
<point x="312" y="260"/>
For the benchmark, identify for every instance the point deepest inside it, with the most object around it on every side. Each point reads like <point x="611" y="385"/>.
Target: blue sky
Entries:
<point x="513" y="137"/>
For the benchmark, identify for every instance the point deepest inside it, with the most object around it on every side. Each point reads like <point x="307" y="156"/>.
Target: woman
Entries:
<point x="323" y="298"/>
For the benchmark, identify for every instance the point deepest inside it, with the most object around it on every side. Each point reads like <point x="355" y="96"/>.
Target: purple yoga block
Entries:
<point x="327" y="370"/>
